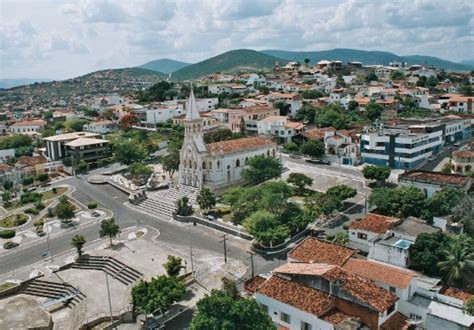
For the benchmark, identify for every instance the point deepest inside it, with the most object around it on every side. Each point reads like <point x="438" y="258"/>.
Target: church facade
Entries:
<point x="215" y="164"/>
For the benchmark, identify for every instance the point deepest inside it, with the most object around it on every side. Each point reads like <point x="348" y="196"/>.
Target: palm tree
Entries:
<point x="109" y="228"/>
<point x="78" y="242"/>
<point x="459" y="263"/>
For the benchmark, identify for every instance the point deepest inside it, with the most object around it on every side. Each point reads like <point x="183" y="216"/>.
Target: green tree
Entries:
<point x="109" y="228"/>
<point x="262" y="168"/>
<point x="352" y="105"/>
<point x="283" y="107"/>
<point x="443" y="201"/>
<point x="42" y="177"/>
<point x="397" y="75"/>
<point x="24" y="151"/>
<point x="158" y="294"/>
<point x="170" y="163"/>
<point x="469" y="306"/>
<point x="458" y="266"/>
<point x="264" y="226"/>
<point x="291" y="147"/>
<point x="27" y="180"/>
<point x="431" y="82"/>
<point x="8" y="185"/>
<point x="206" y="199"/>
<point x="373" y="111"/>
<point x="402" y="202"/>
<point x="219" y="311"/>
<point x="6" y="198"/>
<point x="78" y="243"/>
<point x="371" y="77"/>
<point x="446" y="169"/>
<point x="300" y="181"/>
<point x="378" y="173"/>
<point x="427" y="251"/>
<point x="313" y="148"/>
<point x="140" y="170"/>
<point x="76" y="125"/>
<point x="306" y="114"/>
<point x="127" y="121"/>
<point x="183" y="208"/>
<point x="129" y="152"/>
<point x="64" y="210"/>
<point x="229" y="287"/>
<point x="311" y="94"/>
<point x="464" y="212"/>
<point x="342" y="192"/>
<point x="156" y="93"/>
<point x="15" y="141"/>
<point x="173" y="266"/>
<point x="466" y="90"/>
<point x="341" y="238"/>
<point x="331" y="117"/>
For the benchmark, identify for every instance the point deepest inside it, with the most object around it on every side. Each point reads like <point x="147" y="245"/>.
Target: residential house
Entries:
<point x="55" y="145"/>
<point x="293" y="99"/>
<point x="10" y="174"/>
<point x="431" y="182"/>
<point x="227" y="89"/>
<point x="241" y="119"/>
<point x="463" y="160"/>
<point x="279" y="127"/>
<point x="462" y="104"/>
<point x="6" y="154"/>
<point x="28" y="126"/>
<point x="101" y="127"/>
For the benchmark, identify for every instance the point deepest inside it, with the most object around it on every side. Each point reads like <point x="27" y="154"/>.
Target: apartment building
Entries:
<point x="279" y="127"/>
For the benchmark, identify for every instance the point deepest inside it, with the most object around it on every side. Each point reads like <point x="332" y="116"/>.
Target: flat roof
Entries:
<point x="85" y="142"/>
<point x="70" y="136"/>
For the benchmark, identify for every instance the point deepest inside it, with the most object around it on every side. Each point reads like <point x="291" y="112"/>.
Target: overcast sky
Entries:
<point x="62" y="39"/>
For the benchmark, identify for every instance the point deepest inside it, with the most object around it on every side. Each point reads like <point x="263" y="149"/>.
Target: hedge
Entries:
<point x="9" y="233"/>
<point x="91" y="205"/>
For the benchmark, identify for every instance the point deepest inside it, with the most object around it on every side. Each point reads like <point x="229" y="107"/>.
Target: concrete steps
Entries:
<point x="54" y="291"/>
<point x="113" y="267"/>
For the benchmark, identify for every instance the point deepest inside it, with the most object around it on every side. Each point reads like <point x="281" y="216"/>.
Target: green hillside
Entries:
<point x="164" y="65"/>
<point x="234" y="60"/>
<point x="366" y="57"/>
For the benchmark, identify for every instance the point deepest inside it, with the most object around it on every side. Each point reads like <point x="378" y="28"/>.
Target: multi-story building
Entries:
<point x="241" y="119"/>
<point x="399" y="148"/>
<point x="463" y="161"/>
<point x="279" y="127"/>
<point x="87" y="149"/>
<point x="101" y="127"/>
<point x="56" y="144"/>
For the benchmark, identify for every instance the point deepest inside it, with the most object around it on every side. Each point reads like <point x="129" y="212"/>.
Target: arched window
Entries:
<point x="268" y="153"/>
<point x="237" y="163"/>
<point x="210" y="164"/>
<point x="273" y="153"/>
<point x="218" y="164"/>
<point x="203" y="165"/>
<point x="246" y="160"/>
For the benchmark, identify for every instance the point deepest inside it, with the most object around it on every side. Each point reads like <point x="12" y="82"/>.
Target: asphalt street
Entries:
<point x="113" y="199"/>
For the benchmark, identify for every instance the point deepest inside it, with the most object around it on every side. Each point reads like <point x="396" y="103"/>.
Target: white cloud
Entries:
<point x="108" y="33"/>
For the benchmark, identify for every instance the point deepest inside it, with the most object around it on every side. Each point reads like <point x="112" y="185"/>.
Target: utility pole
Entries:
<point x="365" y="204"/>
<point x="251" y="263"/>
<point x="190" y="248"/>
<point x="225" y="247"/>
<point x="110" y="300"/>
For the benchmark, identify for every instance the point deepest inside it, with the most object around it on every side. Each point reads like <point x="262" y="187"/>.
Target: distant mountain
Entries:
<point x="9" y="83"/>
<point x="468" y="62"/>
<point x="232" y="61"/>
<point x="367" y="57"/>
<point x="164" y="65"/>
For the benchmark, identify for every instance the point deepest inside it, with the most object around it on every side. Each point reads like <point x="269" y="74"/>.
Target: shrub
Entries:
<point x="6" y="234"/>
<point x="39" y="223"/>
<point x="20" y="220"/>
<point x="30" y="197"/>
<point x="55" y="190"/>
<point x="31" y="210"/>
<point x="50" y="212"/>
<point x="92" y="205"/>
<point x="39" y="205"/>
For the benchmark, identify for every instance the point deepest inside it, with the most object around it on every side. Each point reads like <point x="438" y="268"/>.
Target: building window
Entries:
<point x="285" y="317"/>
<point x="305" y="326"/>
<point x="390" y="309"/>
<point x="362" y="236"/>
<point x="393" y="289"/>
<point x="264" y="307"/>
<point x="415" y="317"/>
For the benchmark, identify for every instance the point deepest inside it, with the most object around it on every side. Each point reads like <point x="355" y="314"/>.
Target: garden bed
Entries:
<point x="14" y="220"/>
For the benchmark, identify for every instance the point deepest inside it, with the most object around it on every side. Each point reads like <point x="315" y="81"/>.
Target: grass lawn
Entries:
<point x="13" y="220"/>
<point x="7" y="285"/>
<point x="49" y="193"/>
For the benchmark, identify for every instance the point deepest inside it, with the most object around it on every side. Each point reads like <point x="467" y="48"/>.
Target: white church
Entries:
<point x="215" y="164"/>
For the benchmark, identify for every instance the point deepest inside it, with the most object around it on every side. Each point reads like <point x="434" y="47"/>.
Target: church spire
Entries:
<point x="192" y="112"/>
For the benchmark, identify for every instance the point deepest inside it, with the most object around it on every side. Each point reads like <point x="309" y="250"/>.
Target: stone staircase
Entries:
<point x="55" y="292"/>
<point x="113" y="267"/>
<point x="163" y="202"/>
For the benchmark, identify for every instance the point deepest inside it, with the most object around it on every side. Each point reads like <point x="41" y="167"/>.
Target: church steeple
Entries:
<point x="192" y="112"/>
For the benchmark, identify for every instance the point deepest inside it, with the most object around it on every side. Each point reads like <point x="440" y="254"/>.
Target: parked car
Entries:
<point x="432" y="158"/>
<point x="457" y="144"/>
<point x="10" y="245"/>
<point x="318" y="161"/>
<point x="295" y="156"/>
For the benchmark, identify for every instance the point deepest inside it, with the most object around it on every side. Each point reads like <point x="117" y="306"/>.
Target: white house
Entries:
<point x="101" y="127"/>
<point x="280" y="127"/>
<point x="28" y="126"/>
<point x="432" y="182"/>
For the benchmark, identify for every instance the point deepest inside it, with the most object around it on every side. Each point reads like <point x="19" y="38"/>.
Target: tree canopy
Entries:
<point x="313" y="148"/>
<point x="378" y="173"/>
<point x="158" y="294"/>
<point x="206" y="199"/>
<point x="300" y="181"/>
<point x="262" y="168"/>
<point x="109" y="228"/>
<point x="220" y="311"/>
<point x="128" y="152"/>
<point x="173" y="265"/>
<point x="265" y="227"/>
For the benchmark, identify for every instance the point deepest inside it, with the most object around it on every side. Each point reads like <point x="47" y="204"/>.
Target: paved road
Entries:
<point x="202" y="237"/>
<point x="446" y="152"/>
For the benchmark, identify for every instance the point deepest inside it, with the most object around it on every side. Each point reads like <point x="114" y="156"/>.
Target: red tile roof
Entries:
<point x="314" y="250"/>
<point x="397" y="277"/>
<point x="34" y="122"/>
<point x="251" y="285"/>
<point x="31" y="160"/>
<point x="297" y="295"/>
<point x="362" y="288"/>
<point x="374" y="223"/>
<point x="318" y="133"/>
<point x="303" y="268"/>
<point x="334" y="316"/>
<point x="455" y="293"/>
<point x="240" y="144"/>
<point x="397" y="321"/>
<point x="436" y="177"/>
